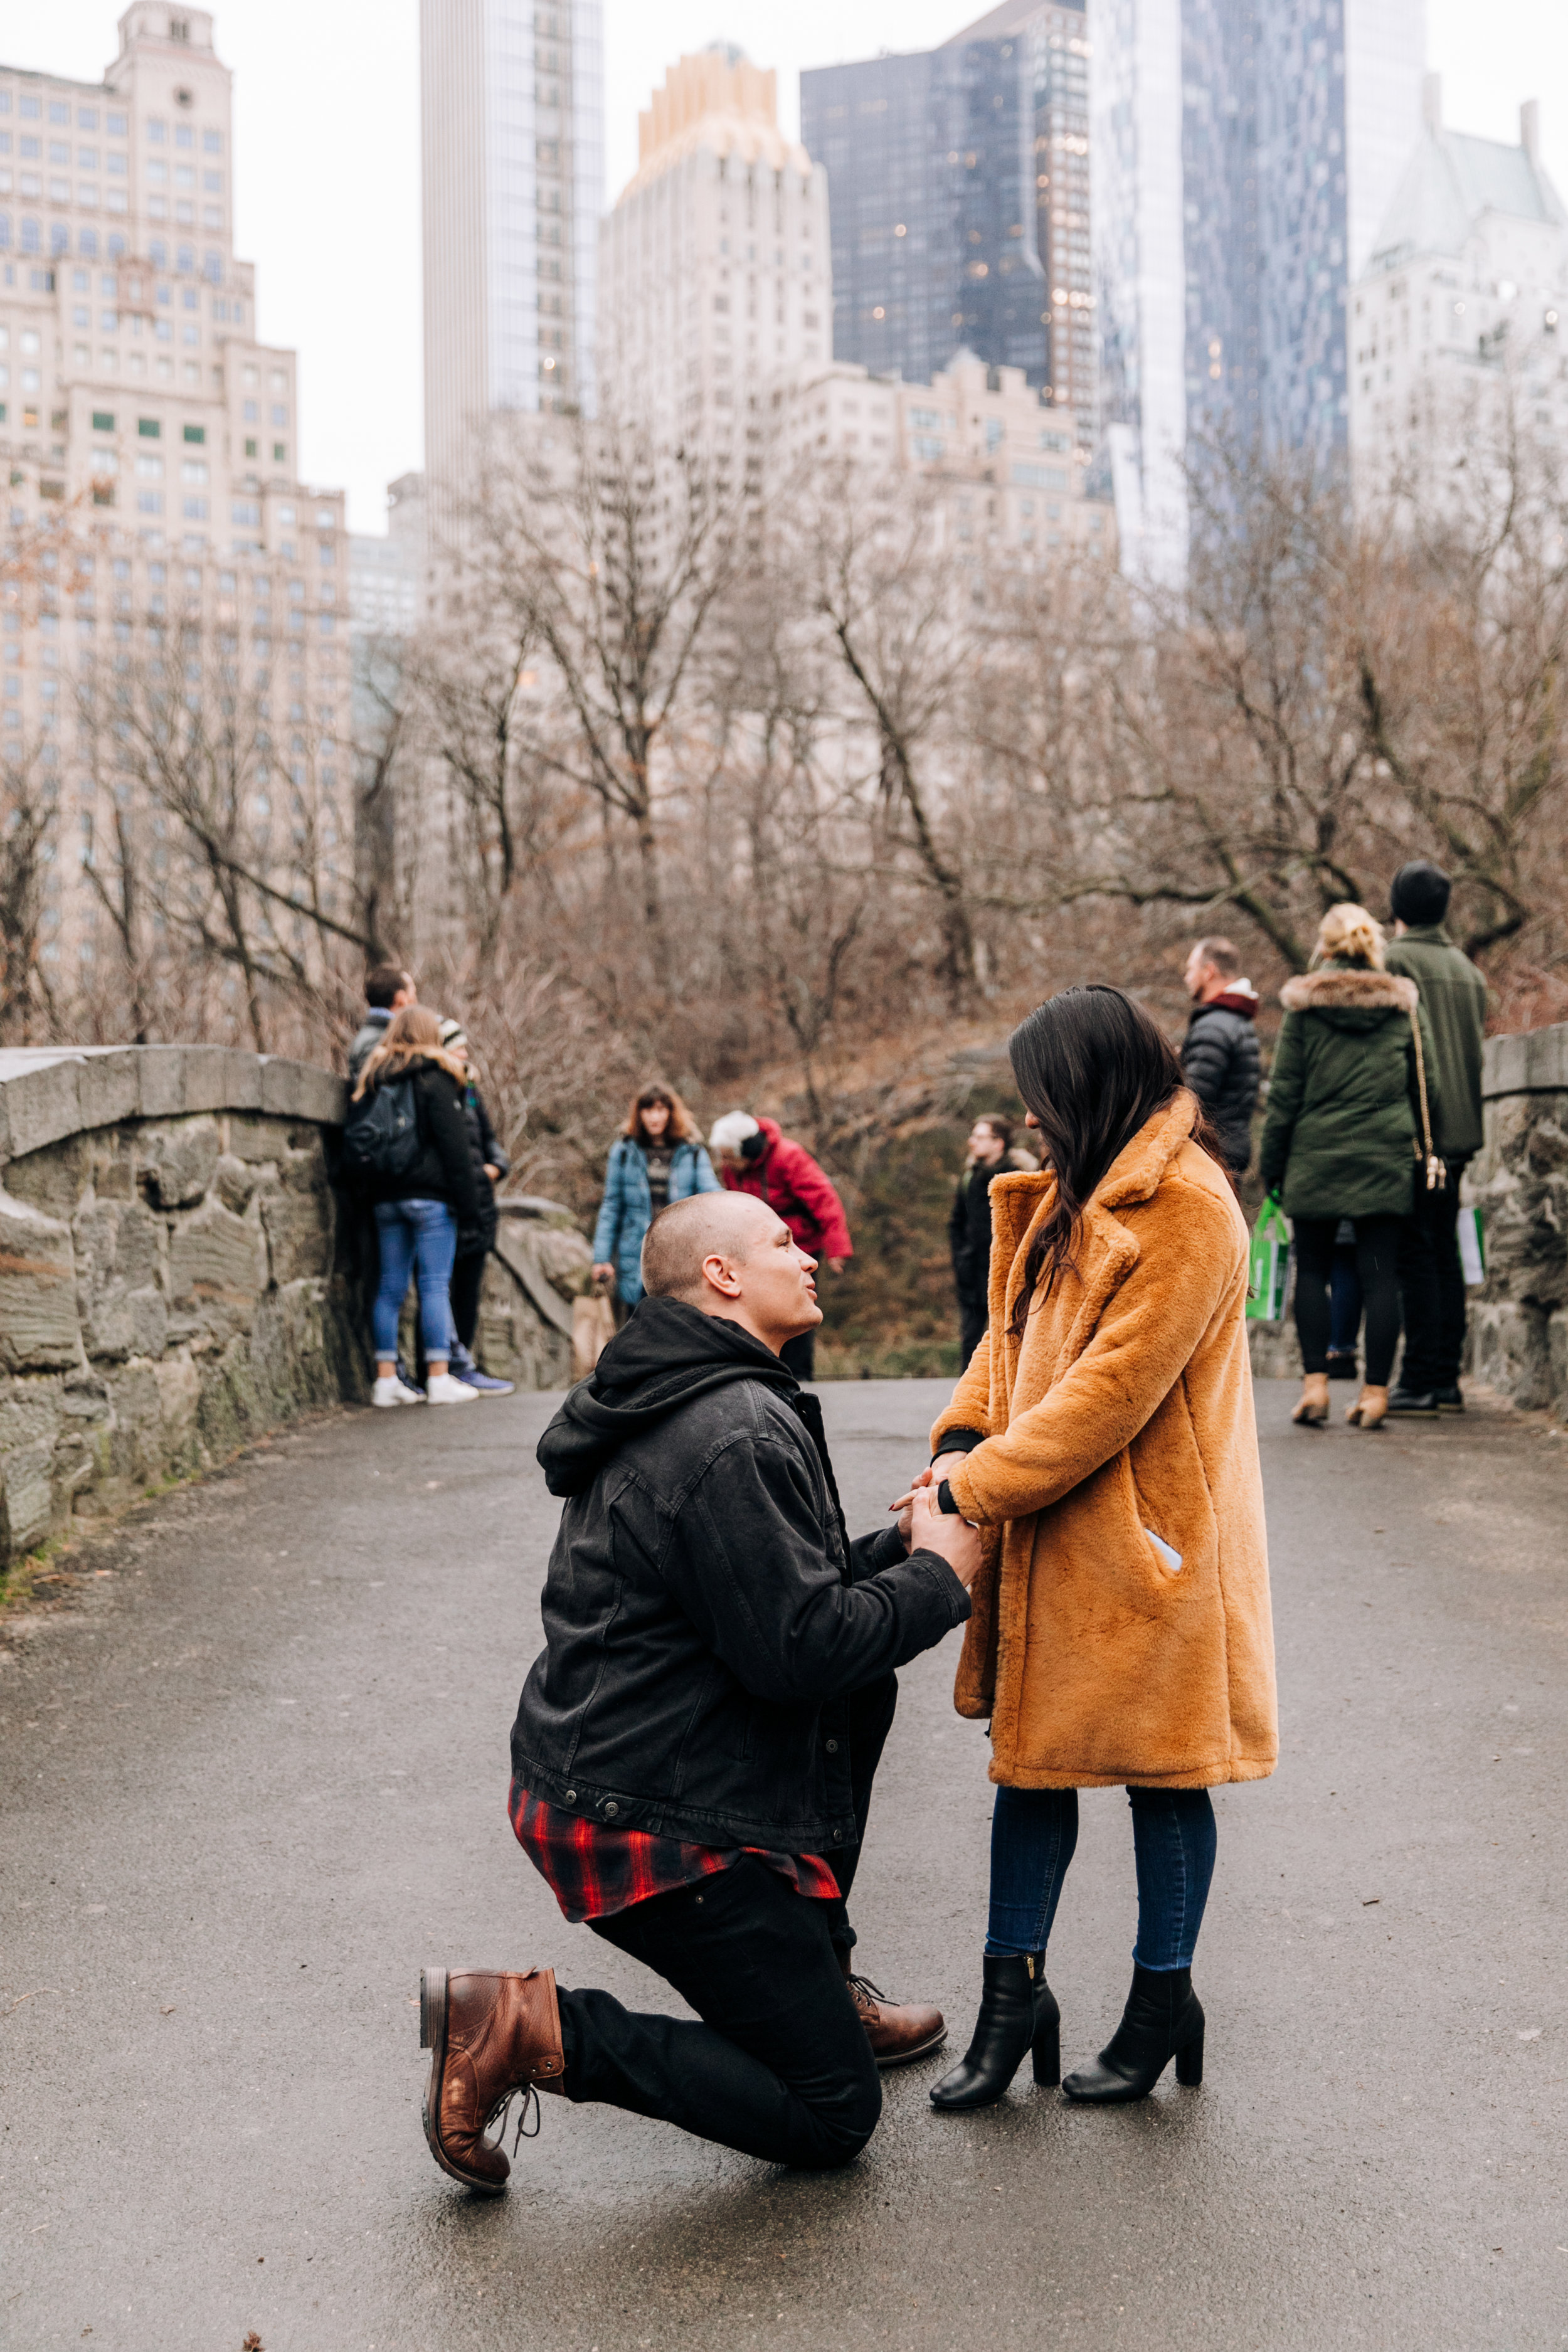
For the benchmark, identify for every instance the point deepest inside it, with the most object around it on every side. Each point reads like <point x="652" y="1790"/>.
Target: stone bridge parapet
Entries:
<point x="179" y="1271"/>
<point x="1519" y="1181"/>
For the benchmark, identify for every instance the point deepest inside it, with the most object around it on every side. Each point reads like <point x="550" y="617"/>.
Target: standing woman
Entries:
<point x="659" y="1157"/>
<point x="417" y="1210"/>
<point x="475" y="1242"/>
<point x="1103" y="1438"/>
<point x="1346" y="1137"/>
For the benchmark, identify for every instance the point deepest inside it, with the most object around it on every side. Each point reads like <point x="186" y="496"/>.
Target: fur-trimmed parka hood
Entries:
<point x="1349" y="996"/>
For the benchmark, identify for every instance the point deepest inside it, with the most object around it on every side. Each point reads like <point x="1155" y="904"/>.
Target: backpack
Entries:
<point x="380" y="1136"/>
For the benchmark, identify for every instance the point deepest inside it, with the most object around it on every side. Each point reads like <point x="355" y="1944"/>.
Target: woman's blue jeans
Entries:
<point x="1033" y="1834"/>
<point x="422" y="1233"/>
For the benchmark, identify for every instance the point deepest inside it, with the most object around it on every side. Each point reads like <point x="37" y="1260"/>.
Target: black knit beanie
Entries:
<point x="1419" y="893"/>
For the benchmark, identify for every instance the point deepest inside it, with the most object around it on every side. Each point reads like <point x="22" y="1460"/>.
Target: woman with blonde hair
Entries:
<point x="1351" y="1098"/>
<point x="409" y="1140"/>
<point x="657" y="1156"/>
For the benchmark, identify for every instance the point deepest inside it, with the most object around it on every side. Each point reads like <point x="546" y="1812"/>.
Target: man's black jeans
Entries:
<point x="780" y="2066"/>
<point x="1432" y="1288"/>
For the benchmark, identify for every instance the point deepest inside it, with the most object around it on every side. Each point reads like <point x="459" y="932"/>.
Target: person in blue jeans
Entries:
<point x="659" y="1157"/>
<point x="417" y="1212"/>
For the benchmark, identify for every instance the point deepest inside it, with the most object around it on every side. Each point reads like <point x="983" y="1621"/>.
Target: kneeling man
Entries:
<point x="693" y="1752"/>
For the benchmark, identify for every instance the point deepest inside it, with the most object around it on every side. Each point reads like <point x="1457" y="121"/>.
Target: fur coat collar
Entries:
<point x="1349" y="988"/>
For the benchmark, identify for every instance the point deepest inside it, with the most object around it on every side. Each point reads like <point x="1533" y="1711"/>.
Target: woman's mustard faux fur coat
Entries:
<point x="1125" y="1409"/>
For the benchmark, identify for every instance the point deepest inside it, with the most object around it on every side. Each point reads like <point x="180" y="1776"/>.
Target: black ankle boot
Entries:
<point x="1163" y="2020"/>
<point x="1017" y="2013"/>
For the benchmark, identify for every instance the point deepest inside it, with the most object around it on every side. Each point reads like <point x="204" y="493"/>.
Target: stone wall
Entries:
<point x="1519" y="1319"/>
<point x="179" y="1274"/>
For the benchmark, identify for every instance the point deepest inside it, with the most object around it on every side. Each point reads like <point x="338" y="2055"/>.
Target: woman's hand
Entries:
<point x="942" y="1467"/>
<point x="953" y="1539"/>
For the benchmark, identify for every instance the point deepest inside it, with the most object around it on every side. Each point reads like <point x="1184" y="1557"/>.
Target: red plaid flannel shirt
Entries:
<point x="594" y="1869"/>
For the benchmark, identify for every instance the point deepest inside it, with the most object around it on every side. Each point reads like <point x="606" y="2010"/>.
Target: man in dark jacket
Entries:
<point x="969" y="1227"/>
<point x="1219" y="1058"/>
<point x="386" y="989"/>
<point x="1431" y="1279"/>
<point x="693" y="1750"/>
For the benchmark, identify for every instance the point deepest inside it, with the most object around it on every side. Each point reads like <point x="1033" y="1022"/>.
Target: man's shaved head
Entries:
<point x="703" y="1225"/>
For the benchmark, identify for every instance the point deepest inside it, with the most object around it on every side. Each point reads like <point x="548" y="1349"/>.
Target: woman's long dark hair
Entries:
<point x="1093" y="1067"/>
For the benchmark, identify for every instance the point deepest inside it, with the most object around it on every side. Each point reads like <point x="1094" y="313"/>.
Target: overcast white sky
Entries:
<point x="327" y="155"/>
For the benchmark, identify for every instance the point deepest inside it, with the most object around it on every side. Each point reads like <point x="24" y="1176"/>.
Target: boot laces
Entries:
<point x="499" y="2116"/>
<point x="862" y="1988"/>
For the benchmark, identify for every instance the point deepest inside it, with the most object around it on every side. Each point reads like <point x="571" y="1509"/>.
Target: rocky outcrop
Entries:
<point x="180" y="1272"/>
<point x="1519" y="1319"/>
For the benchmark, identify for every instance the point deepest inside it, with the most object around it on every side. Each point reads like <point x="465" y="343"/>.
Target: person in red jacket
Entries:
<point x="752" y="1155"/>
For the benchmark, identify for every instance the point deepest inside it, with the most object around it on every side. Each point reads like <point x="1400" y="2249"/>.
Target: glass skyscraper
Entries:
<point x="512" y="107"/>
<point x="958" y="192"/>
<point x="1244" y="153"/>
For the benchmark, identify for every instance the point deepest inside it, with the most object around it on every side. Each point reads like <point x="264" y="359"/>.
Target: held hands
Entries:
<point x="951" y="1538"/>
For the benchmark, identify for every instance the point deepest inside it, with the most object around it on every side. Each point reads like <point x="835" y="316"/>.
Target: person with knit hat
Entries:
<point x="1431" y="1280"/>
<point x="754" y="1155"/>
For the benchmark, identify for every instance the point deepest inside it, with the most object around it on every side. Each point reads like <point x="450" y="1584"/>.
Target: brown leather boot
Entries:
<point x="489" y="2033"/>
<point x="897" y="2031"/>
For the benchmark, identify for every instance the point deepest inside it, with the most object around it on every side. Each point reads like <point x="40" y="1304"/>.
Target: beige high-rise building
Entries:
<point x="714" y="267"/>
<point x="153" y="449"/>
<point x="512" y="95"/>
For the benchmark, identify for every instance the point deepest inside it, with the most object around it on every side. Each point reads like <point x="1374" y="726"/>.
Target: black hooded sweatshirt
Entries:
<point x="705" y="1618"/>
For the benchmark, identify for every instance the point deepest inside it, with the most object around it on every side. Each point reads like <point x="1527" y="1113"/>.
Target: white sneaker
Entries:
<point x="393" y="1392"/>
<point x="443" y="1388"/>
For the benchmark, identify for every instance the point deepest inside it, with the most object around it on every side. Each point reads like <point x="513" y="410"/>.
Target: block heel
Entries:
<point x="1190" y="2063"/>
<point x="432" y="2006"/>
<point x="1049" y="2053"/>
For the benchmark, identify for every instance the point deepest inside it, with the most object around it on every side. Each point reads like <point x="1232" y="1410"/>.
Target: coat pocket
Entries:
<point x="1168" y="1557"/>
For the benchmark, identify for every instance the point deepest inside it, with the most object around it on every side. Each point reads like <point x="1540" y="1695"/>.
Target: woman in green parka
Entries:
<point x="1343" y="1137"/>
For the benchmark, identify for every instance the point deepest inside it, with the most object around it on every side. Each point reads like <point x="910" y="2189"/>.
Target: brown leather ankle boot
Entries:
<point x="897" y="2031"/>
<point x="490" y="2032"/>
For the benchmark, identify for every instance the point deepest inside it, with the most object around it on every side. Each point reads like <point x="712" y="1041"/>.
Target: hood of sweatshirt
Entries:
<point x="664" y="1354"/>
<point x="1239" y="997"/>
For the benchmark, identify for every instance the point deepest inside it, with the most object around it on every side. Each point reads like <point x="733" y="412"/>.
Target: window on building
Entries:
<point x="149" y="428"/>
<point x="280" y="453"/>
<point x="212" y="142"/>
<point x="103" y="420"/>
<point x="156" y="131"/>
<point x="250" y="449"/>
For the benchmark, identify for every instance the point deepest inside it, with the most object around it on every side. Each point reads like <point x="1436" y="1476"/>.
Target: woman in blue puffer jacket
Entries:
<point x="659" y="1157"/>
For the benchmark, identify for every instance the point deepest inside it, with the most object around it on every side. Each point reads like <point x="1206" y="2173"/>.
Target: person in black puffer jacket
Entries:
<point x="1220" y="1060"/>
<point x="417" y="1214"/>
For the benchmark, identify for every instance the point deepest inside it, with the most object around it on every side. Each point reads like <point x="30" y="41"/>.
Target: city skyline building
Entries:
<point x="1244" y="153"/>
<point x="714" y="262"/>
<point x="1459" y="320"/>
<point x="152" y="449"/>
<point x="959" y="193"/>
<point x="512" y="127"/>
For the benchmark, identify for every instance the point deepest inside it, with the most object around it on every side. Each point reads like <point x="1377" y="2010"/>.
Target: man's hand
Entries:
<point x="604" y="1272"/>
<point x="953" y="1539"/>
<point x="493" y="1173"/>
<point x="835" y="1264"/>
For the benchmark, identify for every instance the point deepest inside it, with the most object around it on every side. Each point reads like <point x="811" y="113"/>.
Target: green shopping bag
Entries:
<point x="1268" y="1265"/>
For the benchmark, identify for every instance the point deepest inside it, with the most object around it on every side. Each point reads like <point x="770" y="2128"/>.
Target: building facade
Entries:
<point x="511" y="112"/>
<point x="1244" y="153"/>
<point x="714" y="266"/>
<point x="1008" y="480"/>
<point x="154" y="509"/>
<point x="1458" y="328"/>
<point x="959" y="187"/>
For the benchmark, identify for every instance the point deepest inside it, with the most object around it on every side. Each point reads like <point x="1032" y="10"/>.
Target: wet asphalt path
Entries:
<point x="254" y="1774"/>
